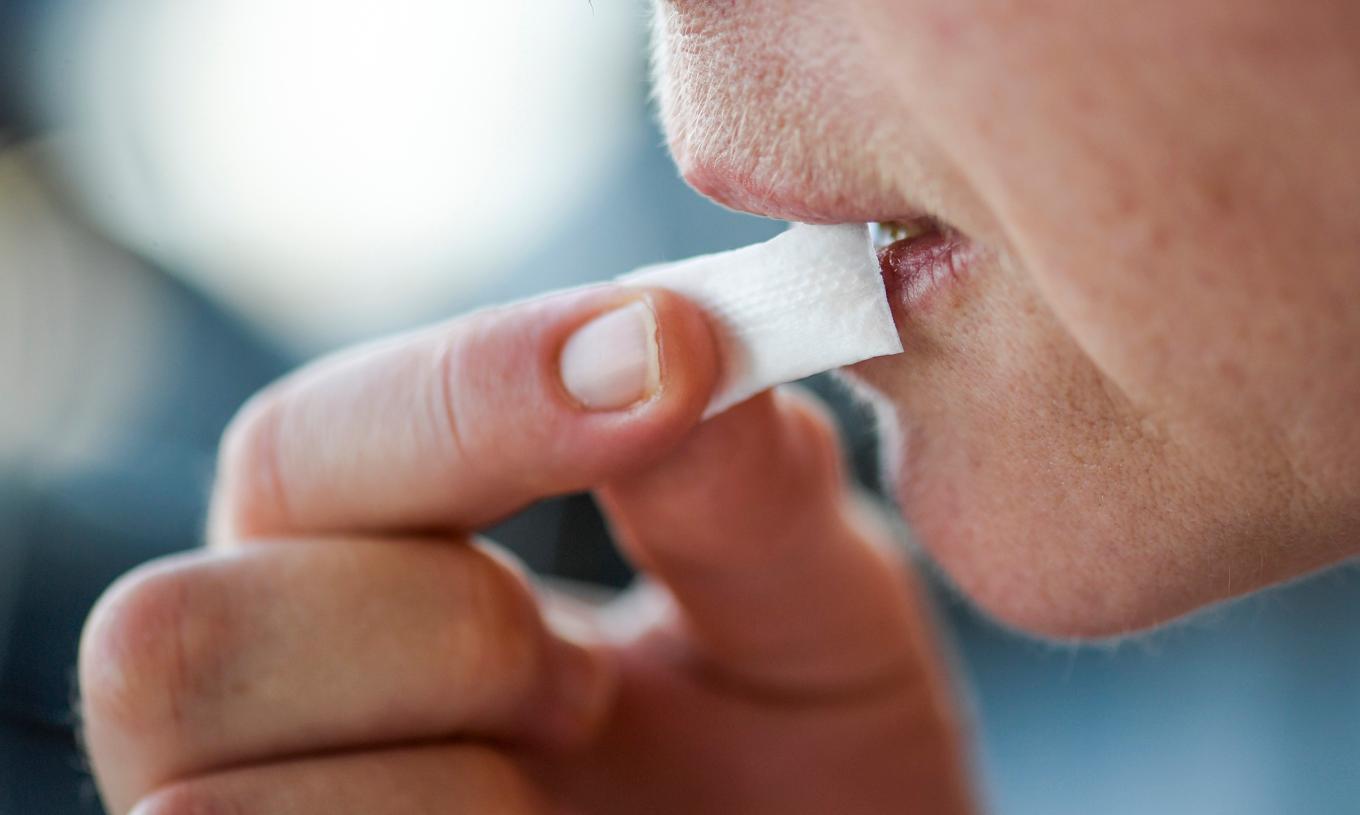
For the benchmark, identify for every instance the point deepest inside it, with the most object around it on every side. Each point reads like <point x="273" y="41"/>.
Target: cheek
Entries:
<point x="1174" y="421"/>
<point x="1032" y="480"/>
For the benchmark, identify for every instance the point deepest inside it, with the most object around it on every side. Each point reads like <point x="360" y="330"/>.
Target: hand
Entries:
<point x="345" y="646"/>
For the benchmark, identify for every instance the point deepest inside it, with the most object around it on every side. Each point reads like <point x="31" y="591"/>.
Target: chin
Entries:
<point x="1049" y="544"/>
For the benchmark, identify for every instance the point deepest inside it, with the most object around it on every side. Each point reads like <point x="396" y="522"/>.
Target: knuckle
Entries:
<point x="251" y="478"/>
<point x="190" y="799"/>
<point x="496" y="644"/>
<point x="489" y="369"/>
<point x="451" y="375"/>
<point x="497" y="782"/>
<point x="145" y="648"/>
<point x="466" y="386"/>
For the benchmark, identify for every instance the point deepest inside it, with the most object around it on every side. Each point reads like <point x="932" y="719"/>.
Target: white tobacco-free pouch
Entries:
<point x="807" y="301"/>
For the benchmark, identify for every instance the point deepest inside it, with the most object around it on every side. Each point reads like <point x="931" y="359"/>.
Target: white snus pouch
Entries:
<point x="807" y="301"/>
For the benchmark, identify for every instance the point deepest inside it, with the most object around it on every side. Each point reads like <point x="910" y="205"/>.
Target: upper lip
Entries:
<point x="743" y="192"/>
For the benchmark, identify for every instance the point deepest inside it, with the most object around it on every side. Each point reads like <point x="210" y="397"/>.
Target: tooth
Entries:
<point x="877" y="235"/>
<point x="886" y="233"/>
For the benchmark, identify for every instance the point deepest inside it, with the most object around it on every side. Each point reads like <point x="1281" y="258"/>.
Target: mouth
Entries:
<point x="919" y="255"/>
<point x="919" y="258"/>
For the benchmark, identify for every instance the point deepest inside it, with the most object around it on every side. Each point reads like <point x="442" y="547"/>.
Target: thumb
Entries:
<point x="784" y="579"/>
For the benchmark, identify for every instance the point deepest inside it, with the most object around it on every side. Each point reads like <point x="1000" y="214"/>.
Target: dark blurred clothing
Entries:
<point x="20" y="22"/>
<point x="64" y="538"/>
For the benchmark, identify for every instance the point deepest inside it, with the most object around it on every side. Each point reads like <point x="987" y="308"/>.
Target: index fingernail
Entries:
<point x="613" y="361"/>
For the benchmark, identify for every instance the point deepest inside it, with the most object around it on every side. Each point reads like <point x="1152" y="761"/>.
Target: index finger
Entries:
<point x="458" y="425"/>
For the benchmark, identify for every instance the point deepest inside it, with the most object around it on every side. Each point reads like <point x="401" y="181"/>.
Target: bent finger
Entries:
<point x="458" y="425"/>
<point x="413" y="781"/>
<point x="218" y="660"/>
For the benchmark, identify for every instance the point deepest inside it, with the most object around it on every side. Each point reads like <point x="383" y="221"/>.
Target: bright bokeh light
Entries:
<point x="334" y="166"/>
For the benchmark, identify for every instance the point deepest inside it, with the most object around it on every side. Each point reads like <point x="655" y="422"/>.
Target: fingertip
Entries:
<point x="635" y="352"/>
<point x="690" y="366"/>
<point x="610" y="436"/>
<point x="812" y="431"/>
<point x="768" y="468"/>
<point x="784" y="440"/>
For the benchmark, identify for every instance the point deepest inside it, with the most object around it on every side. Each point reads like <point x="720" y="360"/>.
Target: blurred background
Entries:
<point x="197" y="195"/>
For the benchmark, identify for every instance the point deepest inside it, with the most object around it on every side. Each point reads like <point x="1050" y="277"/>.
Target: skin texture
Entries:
<point x="1137" y="399"/>
<point x="1143" y="398"/>
<point x="346" y="644"/>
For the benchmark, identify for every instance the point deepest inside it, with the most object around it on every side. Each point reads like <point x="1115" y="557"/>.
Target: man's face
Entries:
<point x="1132" y="376"/>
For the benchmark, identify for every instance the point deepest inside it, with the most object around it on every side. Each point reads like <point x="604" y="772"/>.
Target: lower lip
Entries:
<point x="915" y="269"/>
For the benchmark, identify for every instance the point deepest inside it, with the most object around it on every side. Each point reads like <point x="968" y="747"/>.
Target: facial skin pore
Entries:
<point x="1143" y="393"/>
